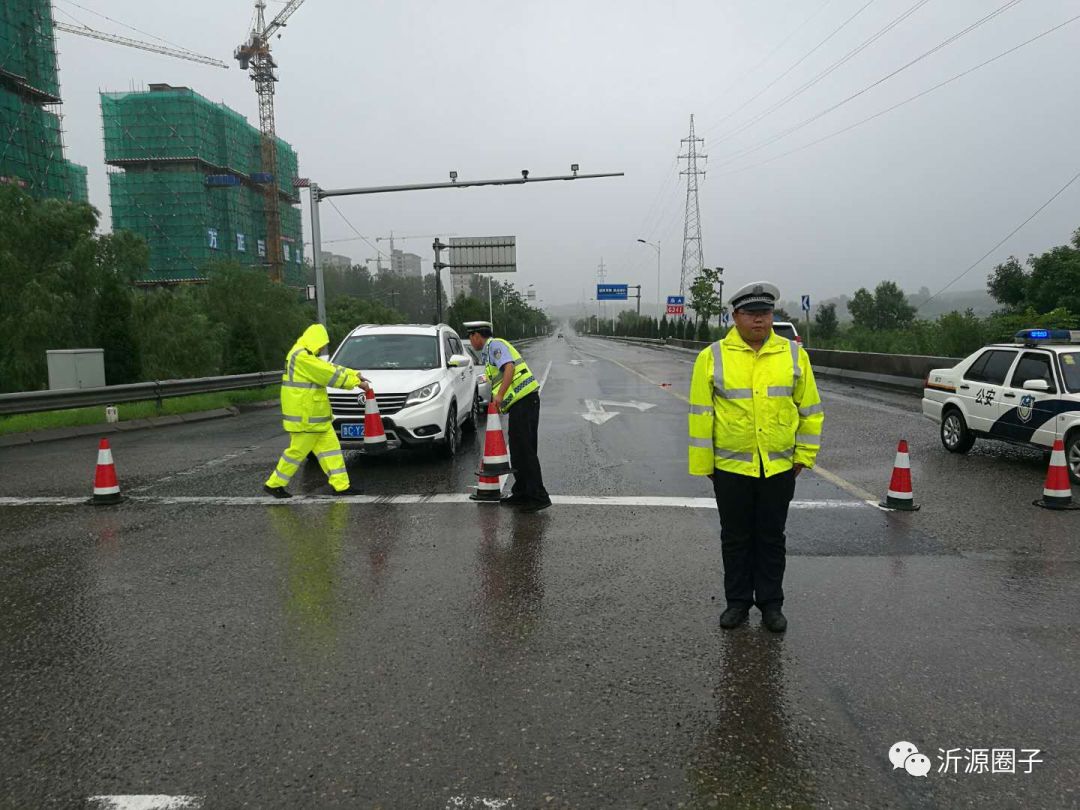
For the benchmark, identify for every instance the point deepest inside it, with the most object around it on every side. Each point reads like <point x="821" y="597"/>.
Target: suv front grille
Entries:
<point x="348" y="405"/>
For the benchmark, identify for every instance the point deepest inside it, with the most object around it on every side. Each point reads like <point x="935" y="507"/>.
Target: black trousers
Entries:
<point x="524" y="434"/>
<point x="753" y="516"/>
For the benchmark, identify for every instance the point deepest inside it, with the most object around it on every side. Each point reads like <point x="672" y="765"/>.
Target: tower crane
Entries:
<point x="254" y="57"/>
<point x="87" y="31"/>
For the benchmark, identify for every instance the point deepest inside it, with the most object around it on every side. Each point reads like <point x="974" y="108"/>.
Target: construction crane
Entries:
<point x="254" y="57"/>
<point x="87" y="31"/>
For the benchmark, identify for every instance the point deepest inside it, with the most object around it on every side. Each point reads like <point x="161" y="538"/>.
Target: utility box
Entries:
<point x="76" y="368"/>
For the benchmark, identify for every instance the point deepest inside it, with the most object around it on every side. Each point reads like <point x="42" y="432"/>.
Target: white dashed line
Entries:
<point x="145" y="802"/>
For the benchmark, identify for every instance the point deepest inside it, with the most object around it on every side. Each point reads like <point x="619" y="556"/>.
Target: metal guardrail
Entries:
<point x="37" y="401"/>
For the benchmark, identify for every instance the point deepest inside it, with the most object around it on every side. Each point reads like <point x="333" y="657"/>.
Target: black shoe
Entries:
<point x="531" y="507"/>
<point x="774" y="620"/>
<point x="734" y="616"/>
<point x="339" y="493"/>
<point x="514" y="500"/>
<point x="276" y="492"/>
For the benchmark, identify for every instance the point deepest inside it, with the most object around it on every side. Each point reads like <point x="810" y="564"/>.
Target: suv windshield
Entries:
<point x="1070" y="370"/>
<point x="784" y="330"/>
<point x="375" y="352"/>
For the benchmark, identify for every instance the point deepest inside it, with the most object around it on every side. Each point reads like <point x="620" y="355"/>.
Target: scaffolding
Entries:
<point x="31" y="137"/>
<point x="191" y="184"/>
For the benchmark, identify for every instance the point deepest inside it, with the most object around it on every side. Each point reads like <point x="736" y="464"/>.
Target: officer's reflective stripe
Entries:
<point x="807" y="438"/>
<point x="291" y="384"/>
<point x="781" y="391"/>
<point x="795" y="358"/>
<point x="705" y="443"/>
<point x="292" y="362"/>
<point x="337" y="471"/>
<point x="337" y="376"/>
<point x="734" y="393"/>
<point x="810" y="410"/>
<point x="286" y="476"/>
<point x="315" y="420"/>
<point x="288" y="418"/>
<point x="731" y="455"/>
<point x="524" y="383"/>
<point x="328" y="454"/>
<point x="718" y="378"/>
<point x="782" y="454"/>
<point x="701" y="410"/>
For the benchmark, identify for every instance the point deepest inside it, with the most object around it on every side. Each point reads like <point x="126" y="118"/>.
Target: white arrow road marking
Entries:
<point x="598" y="415"/>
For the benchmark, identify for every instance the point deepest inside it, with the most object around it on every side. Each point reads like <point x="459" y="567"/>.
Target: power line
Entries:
<point x="801" y="59"/>
<point x="769" y="56"/>
<point x="906" y="101"/>
<point x="1011" y="234"/>
<point x="826" y="72"/>
<point x="370" y="244"/>
<point x="941" y="45"/>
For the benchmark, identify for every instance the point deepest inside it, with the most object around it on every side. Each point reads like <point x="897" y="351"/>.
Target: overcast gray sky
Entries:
<point x="393" y="92"/>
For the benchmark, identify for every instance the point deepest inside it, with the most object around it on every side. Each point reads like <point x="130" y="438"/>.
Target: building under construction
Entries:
<point x="190" y="182"/>
<point x="31" y="138"/>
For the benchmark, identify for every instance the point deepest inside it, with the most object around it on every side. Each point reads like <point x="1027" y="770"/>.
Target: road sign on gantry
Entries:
<point x="612" y="292"/>
<point x="483" y="254"/>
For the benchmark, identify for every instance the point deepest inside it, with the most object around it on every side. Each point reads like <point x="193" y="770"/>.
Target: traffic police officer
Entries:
<point x="755" y="424"/>
<point x="306" y="414"/>
<point x="515" y="391"/>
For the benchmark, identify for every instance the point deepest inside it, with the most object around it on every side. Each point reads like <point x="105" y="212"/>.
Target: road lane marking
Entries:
<point x="146" y="802"/>
<point x="596" y="413"/>
<point x="544" y="377"/>
<point x="831" y="477"/>
<point x="667" y="501"/>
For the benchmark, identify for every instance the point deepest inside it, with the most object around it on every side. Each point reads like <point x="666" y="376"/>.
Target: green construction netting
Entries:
<point x="189" y="225"/>
<point x="27" y="48"/>
<point x="32" y="152"/>
<point x="179" y="124"/>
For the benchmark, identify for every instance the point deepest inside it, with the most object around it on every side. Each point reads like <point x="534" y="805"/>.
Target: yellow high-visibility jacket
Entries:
<point x="305" y="407"/>
<point x="752" y="411"/>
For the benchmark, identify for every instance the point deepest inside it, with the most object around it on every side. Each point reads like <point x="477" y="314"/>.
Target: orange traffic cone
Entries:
<point x="488" y="489"/>
<point x="374" y="435"/>
<point x="1057" y="492"/>
<point x="106" y="485"/>
<point x="496" y="458"/>
<point x="900" y="497"/>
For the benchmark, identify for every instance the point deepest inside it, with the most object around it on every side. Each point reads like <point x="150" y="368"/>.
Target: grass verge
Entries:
<point x="74" y="417"/>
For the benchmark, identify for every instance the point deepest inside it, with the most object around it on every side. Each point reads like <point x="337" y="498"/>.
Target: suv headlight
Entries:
<point x="428" y="392"/>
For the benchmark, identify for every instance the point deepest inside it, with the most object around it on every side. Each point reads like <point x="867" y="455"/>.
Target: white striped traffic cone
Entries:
<point x="1057" y="492"/>
<point x="374" y="435"/>
<point x="496" y="457"/>
<point x="106" y="484"/>
<point x="488" y="489"/>
<point x="900" y="495"/>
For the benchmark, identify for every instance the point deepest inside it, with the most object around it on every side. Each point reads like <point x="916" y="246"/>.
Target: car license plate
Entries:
<point x="352" y="431"/>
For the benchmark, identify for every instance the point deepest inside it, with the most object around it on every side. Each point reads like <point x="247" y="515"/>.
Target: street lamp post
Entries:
<point x="656" y="247"/>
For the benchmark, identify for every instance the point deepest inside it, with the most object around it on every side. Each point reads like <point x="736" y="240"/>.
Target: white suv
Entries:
<point x="425" y="382"/>
<point x="1027" y="392"/>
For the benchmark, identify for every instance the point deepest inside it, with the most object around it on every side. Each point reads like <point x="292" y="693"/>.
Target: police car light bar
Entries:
<point x="1029" y="337"/>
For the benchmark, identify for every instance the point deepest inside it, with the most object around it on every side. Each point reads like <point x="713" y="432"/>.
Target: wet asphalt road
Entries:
<point x="347" y="654"/>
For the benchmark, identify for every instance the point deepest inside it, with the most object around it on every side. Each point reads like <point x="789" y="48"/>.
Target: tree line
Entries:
<point x="64" y="286"/>
<point x="1042" y="291"/>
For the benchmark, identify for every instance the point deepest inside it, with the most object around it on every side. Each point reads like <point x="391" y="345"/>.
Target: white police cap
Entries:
<point x="477" y="326"/>
<point x="757" y="295"/>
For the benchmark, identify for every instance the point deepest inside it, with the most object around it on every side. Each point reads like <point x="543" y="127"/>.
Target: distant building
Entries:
<point x="405" y="264"/>
<point x="189" y="182"/>
<point x="31" y="143"/>
<point x="461" y="285"/>
<point x="336" y="261"/>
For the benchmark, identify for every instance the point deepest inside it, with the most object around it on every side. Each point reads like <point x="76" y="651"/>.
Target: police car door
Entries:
<point x="1027" y="415"/>
<point x="982" y="386"/>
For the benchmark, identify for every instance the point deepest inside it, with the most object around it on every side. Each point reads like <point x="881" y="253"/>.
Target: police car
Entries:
<point x="1026" y="392"/>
